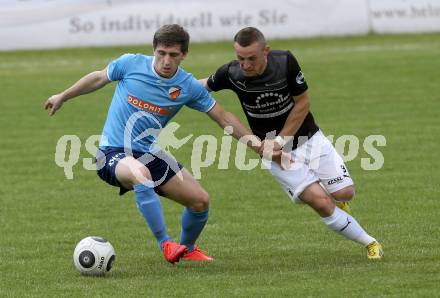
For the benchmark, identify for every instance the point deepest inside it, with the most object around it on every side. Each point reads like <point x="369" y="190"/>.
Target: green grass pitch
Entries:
<point x="263" y="244"/>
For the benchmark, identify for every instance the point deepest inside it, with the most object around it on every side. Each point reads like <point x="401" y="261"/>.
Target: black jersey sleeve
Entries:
<point x="297" y="82"/>
<point x="220" y="79"/>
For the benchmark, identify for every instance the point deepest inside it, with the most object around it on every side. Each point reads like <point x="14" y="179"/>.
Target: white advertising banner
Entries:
<point x="401" y="16"/>
<point x="35" y="24"/>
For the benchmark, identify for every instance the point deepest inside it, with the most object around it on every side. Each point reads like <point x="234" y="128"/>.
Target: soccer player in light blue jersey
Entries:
<point x="150" y="91"/>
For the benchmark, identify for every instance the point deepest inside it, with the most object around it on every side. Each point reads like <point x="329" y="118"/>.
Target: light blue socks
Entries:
<point x="192" y="225"/>
<point x="149" y="205"/>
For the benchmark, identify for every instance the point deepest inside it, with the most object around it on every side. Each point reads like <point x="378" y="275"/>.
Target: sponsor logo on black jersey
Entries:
<point x="268" y="84"/>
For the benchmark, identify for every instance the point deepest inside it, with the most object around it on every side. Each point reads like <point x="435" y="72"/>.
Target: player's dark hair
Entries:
<point x="170" y="35"/>
<point x="247" y="36"/>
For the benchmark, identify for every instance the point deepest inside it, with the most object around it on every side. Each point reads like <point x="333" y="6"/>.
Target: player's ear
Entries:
<point x="266" y="50"/>
<point x="184" y="55"/>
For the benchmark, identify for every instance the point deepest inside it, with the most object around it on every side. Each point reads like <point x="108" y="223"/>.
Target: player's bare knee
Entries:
<point x="344" y="195"/>
<point x="139" y="175"/>
<point x="323" y="205"/>
<point x="144" y="173"/>
<point x="201" y="201"/>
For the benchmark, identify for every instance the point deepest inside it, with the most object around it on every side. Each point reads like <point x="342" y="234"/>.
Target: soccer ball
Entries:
<point x="94" y="256"/>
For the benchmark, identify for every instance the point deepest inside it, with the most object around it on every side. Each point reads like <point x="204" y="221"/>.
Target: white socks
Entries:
<point x="344" y="224"/>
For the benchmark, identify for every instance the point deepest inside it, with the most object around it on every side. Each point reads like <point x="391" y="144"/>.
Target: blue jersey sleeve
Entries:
<point x="117" y="68"/>
<point x="201" y="99"/>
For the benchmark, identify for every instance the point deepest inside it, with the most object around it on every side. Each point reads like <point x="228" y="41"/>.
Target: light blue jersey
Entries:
<point x="144" y="102"/>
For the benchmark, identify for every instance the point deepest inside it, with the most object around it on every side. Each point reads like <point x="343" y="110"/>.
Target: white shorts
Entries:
<point x="314" y="161"/>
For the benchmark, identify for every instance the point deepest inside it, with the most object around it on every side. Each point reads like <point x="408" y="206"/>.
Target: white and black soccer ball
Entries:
<point x="94" y="256"/>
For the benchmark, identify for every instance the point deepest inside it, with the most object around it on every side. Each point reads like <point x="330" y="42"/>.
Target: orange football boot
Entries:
<point x="173" y="251"/>
<point x="196" y="255"/>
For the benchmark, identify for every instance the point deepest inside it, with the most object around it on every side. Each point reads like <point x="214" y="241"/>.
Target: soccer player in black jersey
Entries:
<point x="273" y="94"/>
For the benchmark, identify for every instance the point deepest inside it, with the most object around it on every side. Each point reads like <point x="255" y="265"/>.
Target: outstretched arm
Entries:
<point x="89" y="83"/>
<point x="240" y="132"/>
<point x="204" y="83"/>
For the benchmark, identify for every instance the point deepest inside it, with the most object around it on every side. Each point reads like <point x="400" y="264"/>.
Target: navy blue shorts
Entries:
<point x="161" y="166"/>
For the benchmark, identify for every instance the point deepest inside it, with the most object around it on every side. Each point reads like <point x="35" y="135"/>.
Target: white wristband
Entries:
<point x="280" y="141"/>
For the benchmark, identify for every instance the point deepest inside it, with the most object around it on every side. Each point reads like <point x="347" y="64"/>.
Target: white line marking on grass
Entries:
<point x="47" y="62"/>
<point x="377" y="48"/>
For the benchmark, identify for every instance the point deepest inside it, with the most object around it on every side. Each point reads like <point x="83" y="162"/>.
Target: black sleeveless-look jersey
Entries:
<point x="267" y="99"/>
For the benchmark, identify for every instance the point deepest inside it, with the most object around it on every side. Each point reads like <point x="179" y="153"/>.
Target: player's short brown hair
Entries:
<point x="170" y="35"/>
<point x="247" y="36"/>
